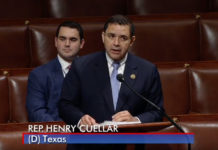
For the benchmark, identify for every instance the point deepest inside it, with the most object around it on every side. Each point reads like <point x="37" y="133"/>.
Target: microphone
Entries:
<point x="121" y="79"/>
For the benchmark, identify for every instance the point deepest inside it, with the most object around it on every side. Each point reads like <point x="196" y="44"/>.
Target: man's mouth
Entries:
<point x="116" y="51"/>
<point x="67" y="50"/>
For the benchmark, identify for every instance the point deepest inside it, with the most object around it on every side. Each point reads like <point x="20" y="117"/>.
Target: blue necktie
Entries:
<point x="115" y="83"/>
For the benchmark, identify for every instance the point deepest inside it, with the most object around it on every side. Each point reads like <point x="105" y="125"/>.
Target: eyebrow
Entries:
<point x="73" y="37"/>
<point x="117" y="35"/>
<point x="61" y="37"/>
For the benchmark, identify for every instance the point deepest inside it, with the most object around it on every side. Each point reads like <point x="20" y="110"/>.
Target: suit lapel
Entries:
<point x="130" y="73"/>
<point x="103" y="81"/>
<point x="57" y="74"/>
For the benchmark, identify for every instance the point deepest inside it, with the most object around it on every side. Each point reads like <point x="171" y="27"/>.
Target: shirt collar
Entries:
<point x="110" y="61"/>
<point x="64" y="63"/>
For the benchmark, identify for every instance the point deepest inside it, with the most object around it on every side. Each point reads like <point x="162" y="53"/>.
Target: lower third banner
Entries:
<point x="108" y="138"/>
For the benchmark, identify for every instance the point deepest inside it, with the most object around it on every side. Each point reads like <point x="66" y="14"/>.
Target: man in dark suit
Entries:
<point x="90" y="95"/>
<point x="45" y="82"/>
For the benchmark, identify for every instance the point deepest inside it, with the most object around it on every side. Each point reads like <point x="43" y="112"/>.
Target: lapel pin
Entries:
<point x="132" y="76"/>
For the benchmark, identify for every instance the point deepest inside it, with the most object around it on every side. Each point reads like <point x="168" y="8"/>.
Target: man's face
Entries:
<point x="117" y="41"/>
<point x="68" y="43"/>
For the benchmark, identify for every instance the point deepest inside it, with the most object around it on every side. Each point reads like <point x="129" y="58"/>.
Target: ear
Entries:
<point x="132" y="40"/>
<point x="102" y="36"/>
<point x="56" y="41"/>
<point x="82" y="43"/>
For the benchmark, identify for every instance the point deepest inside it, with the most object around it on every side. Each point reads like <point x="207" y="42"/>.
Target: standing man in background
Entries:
<point x="45" y="82"/>
<point x="91" y="93"/>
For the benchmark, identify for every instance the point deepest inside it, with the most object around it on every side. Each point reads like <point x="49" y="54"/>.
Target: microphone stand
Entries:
<point x="121" y="79"/>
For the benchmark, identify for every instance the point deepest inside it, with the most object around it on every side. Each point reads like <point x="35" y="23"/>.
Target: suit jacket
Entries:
<point x="43" y="93"/>
<point x="87" y="90"/>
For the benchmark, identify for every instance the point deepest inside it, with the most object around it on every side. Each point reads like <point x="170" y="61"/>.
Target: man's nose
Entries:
<point x="67" y="42"/>
<point x="116" y="41"/>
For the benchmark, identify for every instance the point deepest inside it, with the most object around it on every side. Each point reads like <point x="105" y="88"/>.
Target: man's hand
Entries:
<point x="123" y="116"/>
<point x="87" y="120"/>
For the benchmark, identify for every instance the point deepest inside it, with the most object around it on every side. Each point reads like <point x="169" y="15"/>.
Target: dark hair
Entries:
<point x="72" y="25"/>
<point x="121" y="20"/>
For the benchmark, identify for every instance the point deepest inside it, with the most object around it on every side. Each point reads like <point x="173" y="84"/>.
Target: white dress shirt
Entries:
<point x="120" y="69"/>
<point x="64" y="65"/>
